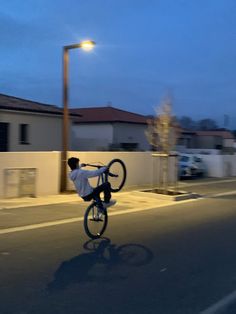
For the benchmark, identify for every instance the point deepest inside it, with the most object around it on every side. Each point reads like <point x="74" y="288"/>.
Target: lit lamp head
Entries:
<point x="87" y="45"/>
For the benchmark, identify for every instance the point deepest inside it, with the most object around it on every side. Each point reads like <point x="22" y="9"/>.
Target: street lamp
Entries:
<point x="87" y="46"/>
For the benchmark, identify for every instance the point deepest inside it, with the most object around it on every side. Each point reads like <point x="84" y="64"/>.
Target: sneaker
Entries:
<point x="110" y="203"/>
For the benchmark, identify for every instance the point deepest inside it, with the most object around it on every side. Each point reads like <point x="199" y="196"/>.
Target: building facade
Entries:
<point x="221" y="141"/>
<point x="108" y="128"/>
<point x="29" y="126"/>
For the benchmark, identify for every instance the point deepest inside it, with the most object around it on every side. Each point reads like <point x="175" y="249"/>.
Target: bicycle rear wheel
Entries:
<point x="95" y="222"/>
<point x="116" y="174"/>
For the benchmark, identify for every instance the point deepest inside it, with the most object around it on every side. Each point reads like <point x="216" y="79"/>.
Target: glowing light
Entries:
<point x="87" y="45"/>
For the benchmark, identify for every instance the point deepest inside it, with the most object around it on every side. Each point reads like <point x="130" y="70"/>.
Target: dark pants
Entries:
<point x="105" y="188"/>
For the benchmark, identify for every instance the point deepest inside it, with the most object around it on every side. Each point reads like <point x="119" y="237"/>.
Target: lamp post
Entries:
<point x="87" y="46"/>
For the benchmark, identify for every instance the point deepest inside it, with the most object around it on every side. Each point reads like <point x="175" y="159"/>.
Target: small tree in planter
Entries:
<point x="162" y="134"/>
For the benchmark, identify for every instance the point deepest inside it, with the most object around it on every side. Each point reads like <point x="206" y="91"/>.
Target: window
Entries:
<point x="24" y="134"/>
<point x="4" y="127"/>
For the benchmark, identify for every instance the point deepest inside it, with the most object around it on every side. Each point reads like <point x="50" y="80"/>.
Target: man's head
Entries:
<point x="73" y="163"/>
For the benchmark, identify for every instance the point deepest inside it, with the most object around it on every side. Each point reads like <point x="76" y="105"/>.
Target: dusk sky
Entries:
<point x="145" y="49"/>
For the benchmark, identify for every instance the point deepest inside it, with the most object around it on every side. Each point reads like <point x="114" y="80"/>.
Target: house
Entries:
<point x="186" y="139"/>
<point x="108" y="128"/>
<point x="29" y="126"/>
<point x="216" y="139"/>
<point x="221" y="140"/>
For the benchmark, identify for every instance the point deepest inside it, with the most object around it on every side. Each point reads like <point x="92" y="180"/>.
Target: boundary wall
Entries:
<point x="219" y="166"/>
<point x="141" y="167"/>
<point x="47" y="165"/>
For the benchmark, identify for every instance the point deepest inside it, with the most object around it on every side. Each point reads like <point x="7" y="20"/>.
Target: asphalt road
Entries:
<point x="175" y="259"/>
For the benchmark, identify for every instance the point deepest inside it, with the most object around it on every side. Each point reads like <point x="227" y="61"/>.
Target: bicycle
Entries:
<point x="95" y="220"/>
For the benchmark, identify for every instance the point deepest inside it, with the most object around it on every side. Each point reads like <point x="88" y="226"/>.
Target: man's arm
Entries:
<point x="94" y="173"/>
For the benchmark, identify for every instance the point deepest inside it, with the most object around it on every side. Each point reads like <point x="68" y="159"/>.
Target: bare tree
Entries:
<point x="163" y="129"/>
<point x="162" y="134"/>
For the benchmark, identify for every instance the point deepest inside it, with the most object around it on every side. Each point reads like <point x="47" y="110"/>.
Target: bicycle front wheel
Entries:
<point x="116" y="174"/>
<point x="95" y="222"/>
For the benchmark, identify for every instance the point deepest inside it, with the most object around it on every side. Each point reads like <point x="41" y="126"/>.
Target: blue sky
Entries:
<point x="145" y="49"/>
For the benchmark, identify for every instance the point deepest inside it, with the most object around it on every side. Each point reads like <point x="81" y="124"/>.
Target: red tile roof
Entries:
<point x="225" y="134"/>
<point x="107" y="114"/>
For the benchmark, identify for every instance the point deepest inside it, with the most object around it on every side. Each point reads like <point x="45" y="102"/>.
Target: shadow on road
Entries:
<point x="104" y="262"/>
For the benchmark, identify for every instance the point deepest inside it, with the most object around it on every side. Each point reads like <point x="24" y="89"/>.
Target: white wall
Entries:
<point x="214" y="165"/>
<point x="229" y="165"/>
<point x="139" y="167"/>
<point x="47" y="165"/>
<point x="219" y="166"/>
<point x="228" y="142"/>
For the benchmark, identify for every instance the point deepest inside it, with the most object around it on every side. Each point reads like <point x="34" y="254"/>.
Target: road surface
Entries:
<point x="175" y="258"/>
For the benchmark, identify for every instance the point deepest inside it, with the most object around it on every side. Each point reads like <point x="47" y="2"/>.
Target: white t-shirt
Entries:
<point x="81" y="182"/>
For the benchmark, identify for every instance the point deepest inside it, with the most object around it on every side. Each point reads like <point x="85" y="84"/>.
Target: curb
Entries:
<point x="181" y="197"/>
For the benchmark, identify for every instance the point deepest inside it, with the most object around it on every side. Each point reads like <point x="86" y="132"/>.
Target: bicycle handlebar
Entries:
<point x="95" y="166"/>
<point x="99" y="166"/>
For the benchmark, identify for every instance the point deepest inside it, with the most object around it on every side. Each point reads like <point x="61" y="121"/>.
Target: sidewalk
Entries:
<point x="63" y="198"/>
<point x="67" y="198"/>
<point x="73" y="197"/>
<point x="30" y="213"/>
<point x="37" y="201"/>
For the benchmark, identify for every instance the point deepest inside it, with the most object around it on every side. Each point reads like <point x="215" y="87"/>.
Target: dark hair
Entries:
<point x="72" y="162"/>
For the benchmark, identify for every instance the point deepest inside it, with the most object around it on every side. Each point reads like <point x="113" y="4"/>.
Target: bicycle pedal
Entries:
<point x="96" y="219"/>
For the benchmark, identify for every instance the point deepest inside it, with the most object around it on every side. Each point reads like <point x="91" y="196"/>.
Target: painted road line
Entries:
<point x="72" y="220"/>
<point x="118" y="212"/>
<point x="183" y="184"/>
<point x="221" y="305"/>
<point x="40" y="225"/>
<point x="218" y="194"/>
<point x="225" y="193"/>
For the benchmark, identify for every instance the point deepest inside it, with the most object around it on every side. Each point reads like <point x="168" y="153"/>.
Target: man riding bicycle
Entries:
<point x="80" y="179"/>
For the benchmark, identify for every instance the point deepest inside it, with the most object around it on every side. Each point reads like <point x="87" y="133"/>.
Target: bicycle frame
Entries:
<point x="101" y="177"/>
